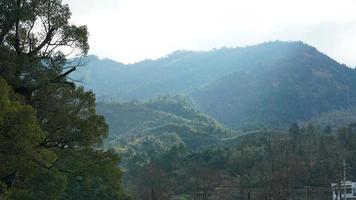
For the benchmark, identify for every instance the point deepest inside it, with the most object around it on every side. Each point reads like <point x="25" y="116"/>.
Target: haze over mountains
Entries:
<point x="268" y="85"/>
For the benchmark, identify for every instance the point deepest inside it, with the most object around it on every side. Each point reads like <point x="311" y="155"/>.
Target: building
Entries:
<point x="339" y="190"/>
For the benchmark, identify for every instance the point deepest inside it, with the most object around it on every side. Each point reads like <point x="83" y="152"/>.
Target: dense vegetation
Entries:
<point x="144" y="131"/>
<point x="171" y="151"/>
<point x="297" y="164"/>
<point x="165" y="122"/>
<point x="50" y="135"/>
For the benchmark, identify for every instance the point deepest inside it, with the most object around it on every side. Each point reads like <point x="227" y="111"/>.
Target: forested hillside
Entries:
<point x="171" y="151"/>
<point x="299" y="163"/>
<point x="293" y="89"/>
<point x="179" y="72"/>
<point x="164" y="122"/>
<point x="264" y="86"/>
<point x="142" y="132"/>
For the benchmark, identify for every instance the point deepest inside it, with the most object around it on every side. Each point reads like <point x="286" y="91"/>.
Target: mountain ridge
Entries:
<point x="269" y="84"/>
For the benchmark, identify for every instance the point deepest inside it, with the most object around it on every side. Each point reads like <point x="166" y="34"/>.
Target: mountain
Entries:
<point x="293" y="89"/>
<point x="179" y="72"/>
<point x="262" y="86"/>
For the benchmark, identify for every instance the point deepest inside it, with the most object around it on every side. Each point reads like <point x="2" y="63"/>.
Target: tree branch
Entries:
<point x="47" y="40"/>
<point x="64" y="74"/>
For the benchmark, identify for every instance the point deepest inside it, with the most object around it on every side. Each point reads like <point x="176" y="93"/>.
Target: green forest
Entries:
<point x="272" y="121"/>
<point x="168" y="152"/>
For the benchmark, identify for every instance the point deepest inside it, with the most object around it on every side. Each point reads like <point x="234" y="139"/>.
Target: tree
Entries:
<point x="294" y="134"/>
<point x="39" y="37"/>
<point x="20" y="133"/>
<point x="51" y="135"/>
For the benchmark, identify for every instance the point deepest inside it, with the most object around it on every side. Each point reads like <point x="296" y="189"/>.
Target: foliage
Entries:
<point x="50" y="135"/>
<point x="165" y="120"/>
<point x="273" y="165"/>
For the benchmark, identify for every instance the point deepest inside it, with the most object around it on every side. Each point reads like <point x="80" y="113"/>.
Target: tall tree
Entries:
<point x="51" y="136"/>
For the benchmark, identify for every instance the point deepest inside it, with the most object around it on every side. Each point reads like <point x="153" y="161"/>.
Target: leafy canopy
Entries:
<point x="50" y="134"/>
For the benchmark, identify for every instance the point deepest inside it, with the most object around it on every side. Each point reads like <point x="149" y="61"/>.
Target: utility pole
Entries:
<point x="344" y="180"/>
<point x="307" y="193"/>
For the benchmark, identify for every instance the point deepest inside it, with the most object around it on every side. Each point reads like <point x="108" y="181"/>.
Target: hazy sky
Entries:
<point x="132" y="30"/>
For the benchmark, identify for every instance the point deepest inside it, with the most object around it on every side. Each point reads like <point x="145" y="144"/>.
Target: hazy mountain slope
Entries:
<point x="97" y="74"/>
<point x="268" y="85"/>
<point x="292" y="89"/>
<point x="179" y="72"/>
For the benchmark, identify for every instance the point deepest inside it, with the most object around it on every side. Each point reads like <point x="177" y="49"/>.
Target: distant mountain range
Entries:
<point x="267" y="85"/>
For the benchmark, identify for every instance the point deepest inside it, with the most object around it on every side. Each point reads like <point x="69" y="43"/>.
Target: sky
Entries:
<point x="133" y="30"/>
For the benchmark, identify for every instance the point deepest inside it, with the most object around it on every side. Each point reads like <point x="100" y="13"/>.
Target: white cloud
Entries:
<point x="131" y="30"/>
